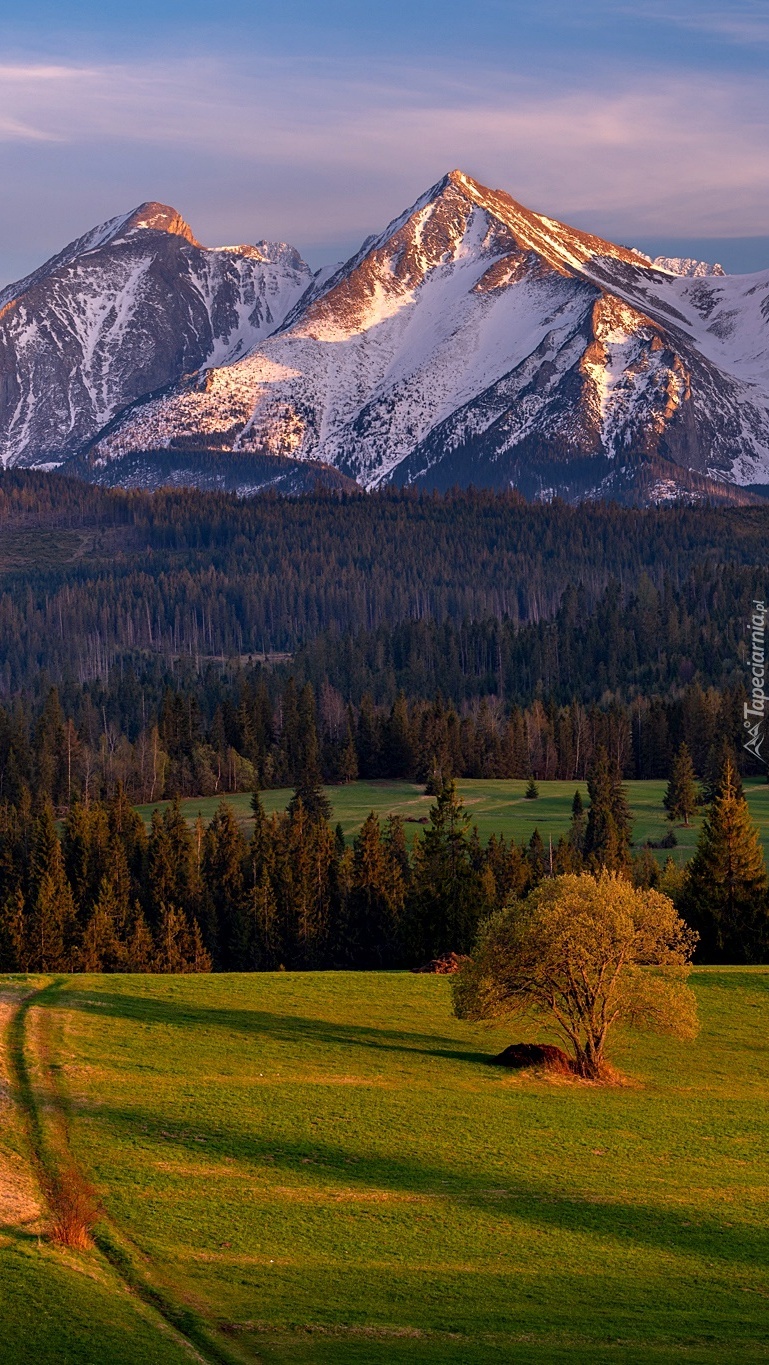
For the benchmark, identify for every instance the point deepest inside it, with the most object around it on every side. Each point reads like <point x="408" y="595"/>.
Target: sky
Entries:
<point x="318" y="121"/>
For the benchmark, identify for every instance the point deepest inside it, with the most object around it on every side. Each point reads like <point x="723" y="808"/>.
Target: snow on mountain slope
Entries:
<point x="122" y="312"/>
<point x="476" y="341"/>
<point x="686" y="265"/>
<point x="473" y="341"/>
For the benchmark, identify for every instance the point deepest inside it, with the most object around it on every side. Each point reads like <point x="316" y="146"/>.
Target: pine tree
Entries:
<point x="577" y="824"/>
<point x="725" y="892"/>
<point x="680" y="799"/>
<point x="139" y="952"/>
<point x="375" y="901"/>
<point x="607" y="834"/>
<point x="446" y="895"/>
<point x="223" y="874"/>
<point x="52" y="923"/>
<point x="348" y="761"/>
<point x="99" y="949"/>
<point x="532" y="790"/>
<point x="172" y="941"/>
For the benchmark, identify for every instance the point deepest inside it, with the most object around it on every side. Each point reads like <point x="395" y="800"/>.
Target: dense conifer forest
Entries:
<point x="189" y="643"/>
<point x="182" y="643"/>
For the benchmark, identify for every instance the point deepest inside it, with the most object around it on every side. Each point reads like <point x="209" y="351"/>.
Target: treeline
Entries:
<point x="108" y="895"/>
<point x="224" y="734"/>
<point x="89" y="576"/>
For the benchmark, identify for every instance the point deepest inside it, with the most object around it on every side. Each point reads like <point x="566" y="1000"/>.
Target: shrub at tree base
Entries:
<point x="447" y="965"/>
<point x="520" y="1055"/>
<point x="584" y="953"/>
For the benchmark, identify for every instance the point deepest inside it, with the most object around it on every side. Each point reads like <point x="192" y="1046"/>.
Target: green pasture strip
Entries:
<point x="496" y="806"/>
<point x="324" y="1167"/>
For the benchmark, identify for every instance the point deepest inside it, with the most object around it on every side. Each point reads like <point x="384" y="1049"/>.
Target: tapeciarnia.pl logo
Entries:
<point x="755" y="711"/>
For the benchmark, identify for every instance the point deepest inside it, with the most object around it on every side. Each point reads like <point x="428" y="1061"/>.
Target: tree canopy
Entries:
<point x="584" y="953"/>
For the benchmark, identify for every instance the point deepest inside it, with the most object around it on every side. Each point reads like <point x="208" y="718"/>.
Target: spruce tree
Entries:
<point x="223" y="874"/>
<point x="446" y="895"/>
<point x="309" y="789"/>
<point x="720" y="755"/>
<point x="14" y="955"/>
<point x="139" y="953"/>
<point x="265" y="940"/>
<point x="680" y="799"/>
<point x="173" y="941"/>
<point x="536" y="857"/>
<point x="348" y="761"/>
<point x="532" y="790"/>
<point x="577" y="824"/>
<point x="375" y="900"/>
<point x="99" y="949"/>
<point x="725" y="892"/>
<point x="607" y="834"/>
<point x="397" y="748"/>
<point x="52" y="923"/>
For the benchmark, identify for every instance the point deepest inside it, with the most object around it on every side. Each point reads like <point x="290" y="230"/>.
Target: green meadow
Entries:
<point x="495" y="806"/>
<point x="325" y="1168"/>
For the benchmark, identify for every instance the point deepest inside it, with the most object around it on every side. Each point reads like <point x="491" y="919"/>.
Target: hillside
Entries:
<point x="324" y="1168"/>
<point x="89" y="576"/>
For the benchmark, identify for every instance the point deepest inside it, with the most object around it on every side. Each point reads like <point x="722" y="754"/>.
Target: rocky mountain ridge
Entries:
<point x="121" y="312"/>
<point x="472" y="342"/>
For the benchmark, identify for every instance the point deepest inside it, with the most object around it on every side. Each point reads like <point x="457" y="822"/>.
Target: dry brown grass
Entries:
<point x="73" y="1212"/>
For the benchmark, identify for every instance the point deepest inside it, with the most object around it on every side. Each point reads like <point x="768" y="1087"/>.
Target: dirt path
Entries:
<point x="39" y="1173"/>
<point x="21" y="1200"/>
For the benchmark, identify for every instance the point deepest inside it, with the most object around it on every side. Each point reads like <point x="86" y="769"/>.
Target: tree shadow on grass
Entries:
<point x="313" y="1161"/>
<point x="287" y="1028"/>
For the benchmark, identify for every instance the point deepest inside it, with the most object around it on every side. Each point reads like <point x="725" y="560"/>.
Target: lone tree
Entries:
<point x="532" y="790"/>
<point x="725" y="892"/>
<point x="680" y="799"/>
<point x="584" y="952"/>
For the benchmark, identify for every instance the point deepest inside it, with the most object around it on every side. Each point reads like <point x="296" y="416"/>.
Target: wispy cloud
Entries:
<point x="742" y="22"/>
<point x="13" y="130"/>
<point x="671" y="153"/>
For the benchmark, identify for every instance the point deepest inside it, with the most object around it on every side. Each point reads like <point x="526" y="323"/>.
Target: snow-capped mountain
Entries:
<point x="473" y="341"/>
<point x="123" y="311"/>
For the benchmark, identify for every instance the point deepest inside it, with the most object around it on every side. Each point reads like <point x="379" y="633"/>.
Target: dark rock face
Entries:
<point x="121" y="312"/>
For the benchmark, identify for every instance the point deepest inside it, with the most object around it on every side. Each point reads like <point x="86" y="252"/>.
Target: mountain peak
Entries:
<point x="154" y="217"/>
<point x="563" y="247"/>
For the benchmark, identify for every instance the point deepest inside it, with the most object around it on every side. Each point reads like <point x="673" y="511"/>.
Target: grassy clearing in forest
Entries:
<point x="497" y="806"/>
<point x="323" y="1167"/>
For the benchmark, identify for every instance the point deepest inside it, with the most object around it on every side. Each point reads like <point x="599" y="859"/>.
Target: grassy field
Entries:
<point x="55" y="1305"/>
<point x="324" y="1168"/>
<point x="497" y="807"/>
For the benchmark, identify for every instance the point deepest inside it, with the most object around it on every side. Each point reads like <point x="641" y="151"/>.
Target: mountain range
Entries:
<point x="472" y="342"/>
